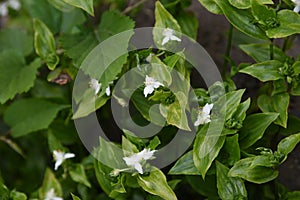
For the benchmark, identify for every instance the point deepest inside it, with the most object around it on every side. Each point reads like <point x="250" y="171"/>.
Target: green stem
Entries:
<point x="272" y="50"/>
<point x="130" y="8"/>
<point x="228" y="49"/>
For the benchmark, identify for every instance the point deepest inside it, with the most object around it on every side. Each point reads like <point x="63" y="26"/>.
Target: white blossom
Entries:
<point x="135" y="159"/>
<point x="51" y="195"/>
<point x="149" y="58"/>
<point x="204" y="115"/>
<point x="95" y="85"/>
<point x="169" y="35"/>
<point x="107" y="91"/>
<point x="297" y="6"/>
<point x="60" y="157"/>
<point x="151" y="84"/>
<point x="14" y="4"/>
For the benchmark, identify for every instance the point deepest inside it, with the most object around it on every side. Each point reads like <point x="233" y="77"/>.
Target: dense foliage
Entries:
<point x="239" y="143"/>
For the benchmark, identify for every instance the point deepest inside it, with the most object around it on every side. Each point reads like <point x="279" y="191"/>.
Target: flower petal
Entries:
<point x="107" y="91"/>
<point x="139" y="168"/>
<point x="69" y="155"/>
<point x="165" y="40"/>
<point x="148" y="90"/>
<point x="57" y="164"/>
<point x="173" y="37"/>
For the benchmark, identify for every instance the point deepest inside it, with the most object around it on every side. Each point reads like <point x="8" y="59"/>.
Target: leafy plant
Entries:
<point x="238" y="143"/>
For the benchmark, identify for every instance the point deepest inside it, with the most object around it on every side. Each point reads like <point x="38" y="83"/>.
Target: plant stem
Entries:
<point x="228" y="49"/>
<point x="130" y="8"/>
<point x="272" y="50"/>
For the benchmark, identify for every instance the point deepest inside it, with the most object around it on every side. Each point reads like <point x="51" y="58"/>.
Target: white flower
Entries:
<point x="204" y="115"/>
<point x="135" y="159"/>
<point x="169" y="35"/>
<point x="107" y="91"/>
<point x="151" y="84"/>
<point x="95" y="85"/>
<point x="51" y="195"/>
<point x="148" y="59"/>
<point x="60" y="157"/>
<point x="297" y="7"/>
<point x="3" y="9"/>
<point x="14" y="4"/>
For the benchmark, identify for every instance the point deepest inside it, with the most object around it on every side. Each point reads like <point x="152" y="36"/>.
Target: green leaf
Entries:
<point x="156" y="183"/>
<point x="25" y="121"/>
<point x="295" y="195"/>
<point x="89" y="103"/>
<point x="4" y="192"/>
<point x="108" y="183"/>
<point x="254" y="127"/>
<point x="86" y="5"/>
<point x="44" y="44"/>
<point x="277" y="103"/>
<point x="206" y="149"/>
<point x="54" y="143"/>
<point x="45" y="12"/>
<point x="15" y="76"/>
<point x="185" y="166"/>
<point x="264" y="71"/>
<point x="261" y="52"/>
<point x="163" y="19"/>
<point x="78" y="46"/>
<point x="231" y="100"/>
<point x="60" y="5"/>
<point x="264" y="15"/>
<point x="241" y="19"/>
<point x="188" y="23"/>
<point x="75" y="197"/>
<point x="15" y="195"/>
<point x="206" y="187"/>
<point x="147" y="108"/>
<point x="175" y="113"/>
<point x="77" y="174"/>
<point x="240" y="113"/>
<point x="254" y="174"/>
<point x="71" y="19"/>
<point x="229" y="187"/>
<point x="292" y="126"/>
<point x="241" y="4"/>
<point x="110" y="154"/>
<point x="288" y="144"/>
<point x="50" y="182"/>
<point x="121" y="23"/>
<point x="14" y="39"/>
<point x="128" y="147"/>
<point x="289" y="24"/>
<point x="106" y="61"/>
<point x="154" y="143"/>
<point x="230" y="153"/>
<point x="211" y="6"/>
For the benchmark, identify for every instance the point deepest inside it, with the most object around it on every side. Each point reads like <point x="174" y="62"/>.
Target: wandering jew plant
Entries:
<point x="160" y="120"/>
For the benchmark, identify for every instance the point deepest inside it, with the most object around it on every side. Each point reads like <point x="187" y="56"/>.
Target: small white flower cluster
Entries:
<point x="151" y="84"/>
<point x="136" y="159"/>
<point x="14" y="4"/>
<point x="60" y="157"/>
<point x="204" y="115"/>
<point x="169" y="34"/>
<point x="52" y="196"/>
<point x="95" y="85"/>
<point x="297" y="6"/>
